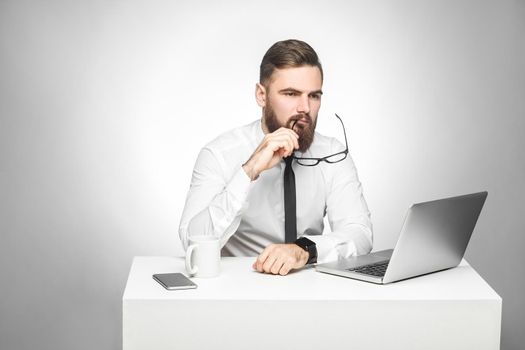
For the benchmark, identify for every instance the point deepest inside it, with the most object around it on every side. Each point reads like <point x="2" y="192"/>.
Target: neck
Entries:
<point x="263" y="126"/>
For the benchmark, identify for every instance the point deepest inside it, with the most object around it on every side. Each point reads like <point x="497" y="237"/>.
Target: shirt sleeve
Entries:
<point x="215" y="200"/>
<point x="348" y="215"/>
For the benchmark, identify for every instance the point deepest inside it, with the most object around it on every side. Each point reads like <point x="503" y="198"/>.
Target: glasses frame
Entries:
<point x="326" y="158"/>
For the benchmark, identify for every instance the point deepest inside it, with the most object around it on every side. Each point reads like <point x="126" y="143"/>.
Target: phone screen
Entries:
<point x="173" y="281"/>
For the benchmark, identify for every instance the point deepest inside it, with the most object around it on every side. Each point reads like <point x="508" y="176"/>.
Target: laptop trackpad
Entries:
<point x="367" y="259"/>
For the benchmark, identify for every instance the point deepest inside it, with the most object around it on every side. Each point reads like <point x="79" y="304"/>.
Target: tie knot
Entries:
<point x="288" y="161"/>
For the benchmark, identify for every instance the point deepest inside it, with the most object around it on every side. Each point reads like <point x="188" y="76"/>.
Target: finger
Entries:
<point x="261" y="259"/>
<point x="294" y="133"/>
<point x="277" y="265"/>
<point x="283" y="132"/>
<point x="290" y="146"/>
<point x="285" y="269"/>
<point x="294" y="138"/>
<point x="281" y="154"/>
<point x="282" y="143"/>
<point x="259" y="264"/>
<point x="294" y="141"/>
<point x="287" y="131"/>
<point x="291" y="139"/>
<point x="267" y="266"/>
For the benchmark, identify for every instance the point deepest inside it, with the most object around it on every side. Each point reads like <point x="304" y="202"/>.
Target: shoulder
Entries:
<point x="234" y="138"/>
<point x="233" y="147"/>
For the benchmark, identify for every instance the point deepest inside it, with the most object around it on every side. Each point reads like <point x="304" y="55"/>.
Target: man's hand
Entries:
<point x="274" y="146"/>
<point x="280" y="259"/>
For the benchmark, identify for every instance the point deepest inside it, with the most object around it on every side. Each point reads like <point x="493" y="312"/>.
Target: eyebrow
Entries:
<point x="290" y="89"/>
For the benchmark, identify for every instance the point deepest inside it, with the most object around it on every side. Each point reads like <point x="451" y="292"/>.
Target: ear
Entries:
<point x="260" y="95"/>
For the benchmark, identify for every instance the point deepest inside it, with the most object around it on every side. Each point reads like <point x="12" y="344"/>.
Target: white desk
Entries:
<point x="243" y="309"/>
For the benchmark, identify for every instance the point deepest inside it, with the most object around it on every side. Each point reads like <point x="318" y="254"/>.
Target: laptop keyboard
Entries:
<point x="377" y="269"/>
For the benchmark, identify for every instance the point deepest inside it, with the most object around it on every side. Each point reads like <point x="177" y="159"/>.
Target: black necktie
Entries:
<point x="290" y="226"/>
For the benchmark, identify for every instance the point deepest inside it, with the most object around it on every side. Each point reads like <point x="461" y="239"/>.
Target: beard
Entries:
<point x="306" y="132"/>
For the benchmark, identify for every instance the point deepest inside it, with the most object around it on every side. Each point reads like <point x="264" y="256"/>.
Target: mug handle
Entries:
<point x="192" y="270"/>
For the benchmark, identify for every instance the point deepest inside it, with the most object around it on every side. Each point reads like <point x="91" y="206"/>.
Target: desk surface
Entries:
<point x="239" y="282"/>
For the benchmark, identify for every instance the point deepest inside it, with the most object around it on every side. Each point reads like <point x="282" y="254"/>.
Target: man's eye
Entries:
<point x="316" y="96"/>
<point x="289" y="93"/>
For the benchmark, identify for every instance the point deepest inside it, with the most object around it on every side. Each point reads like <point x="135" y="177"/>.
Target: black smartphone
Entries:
<point x="174" y="281"/>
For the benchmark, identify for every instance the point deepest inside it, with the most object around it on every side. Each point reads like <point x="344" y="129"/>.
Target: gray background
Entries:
<point x="105" y="104"/>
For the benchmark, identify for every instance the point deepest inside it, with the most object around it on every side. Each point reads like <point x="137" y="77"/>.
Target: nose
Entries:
<point x="303" y="104"/>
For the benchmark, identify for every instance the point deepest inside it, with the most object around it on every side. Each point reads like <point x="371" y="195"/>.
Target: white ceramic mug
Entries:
<point x="203" y="256"/>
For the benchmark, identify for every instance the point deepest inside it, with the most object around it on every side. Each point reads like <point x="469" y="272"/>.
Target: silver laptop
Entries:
<point x="434" y="237"/>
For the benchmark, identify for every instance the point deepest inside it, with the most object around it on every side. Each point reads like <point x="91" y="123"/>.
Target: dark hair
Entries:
<point x="286" y="54"/>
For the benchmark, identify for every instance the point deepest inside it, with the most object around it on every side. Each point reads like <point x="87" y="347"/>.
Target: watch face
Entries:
<point x="308" y="246"/>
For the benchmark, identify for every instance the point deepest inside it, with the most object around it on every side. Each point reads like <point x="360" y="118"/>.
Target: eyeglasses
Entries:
<point x="332" y="158"/>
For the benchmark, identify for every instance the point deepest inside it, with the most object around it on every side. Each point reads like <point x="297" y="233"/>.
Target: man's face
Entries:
<point x="293" y="98"/>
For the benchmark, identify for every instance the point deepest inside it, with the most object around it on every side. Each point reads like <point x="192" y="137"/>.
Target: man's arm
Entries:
<point x="349" y="220"/>
<point x="214" y="201"/>
<point x="216" y="197"/>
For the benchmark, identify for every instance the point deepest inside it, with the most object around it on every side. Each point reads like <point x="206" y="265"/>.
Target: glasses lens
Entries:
<point x="336" y="158"/>
<point x="307" y="162"/>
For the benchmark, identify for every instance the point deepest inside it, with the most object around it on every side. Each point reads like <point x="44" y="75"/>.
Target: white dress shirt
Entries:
<point x="249" y="215"/>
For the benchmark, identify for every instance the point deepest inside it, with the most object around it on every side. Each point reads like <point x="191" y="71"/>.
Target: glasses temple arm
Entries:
<point x="344" y="130"/>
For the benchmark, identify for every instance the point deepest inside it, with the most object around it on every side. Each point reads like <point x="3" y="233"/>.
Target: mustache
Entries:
<point x="294" y="119"/>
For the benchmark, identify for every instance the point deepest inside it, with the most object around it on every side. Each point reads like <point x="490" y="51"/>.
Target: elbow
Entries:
<point x="365" y="242"/>
<point x="367" y="237"/>
<point x="183" y="235"/>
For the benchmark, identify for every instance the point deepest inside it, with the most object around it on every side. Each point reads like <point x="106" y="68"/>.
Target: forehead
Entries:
<point x="304" y="78"/>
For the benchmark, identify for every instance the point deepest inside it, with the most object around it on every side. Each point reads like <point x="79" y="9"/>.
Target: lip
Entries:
<point x="302" y="121"/>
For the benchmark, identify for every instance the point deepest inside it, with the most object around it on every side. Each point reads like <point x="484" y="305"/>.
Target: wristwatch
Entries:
<point x="310" y="247"/>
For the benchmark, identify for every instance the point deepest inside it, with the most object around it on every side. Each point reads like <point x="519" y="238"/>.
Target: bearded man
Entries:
<point x="264" y="189"/>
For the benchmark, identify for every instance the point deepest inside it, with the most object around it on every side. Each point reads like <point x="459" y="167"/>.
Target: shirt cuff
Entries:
<point x="331" y="248"/>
